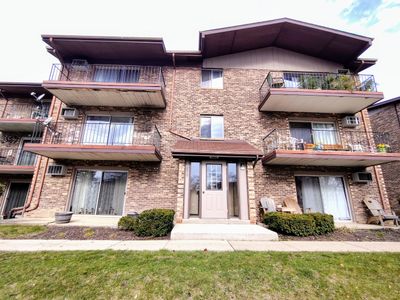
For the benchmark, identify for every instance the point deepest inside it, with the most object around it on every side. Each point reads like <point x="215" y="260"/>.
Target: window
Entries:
<point x="211" y="79"/>
<point x="314" y="133"/>
<point x="214" y="177"/>
<point x="99" y="193"/>
<point x="212" y="127"/>
<point x="121" y="74"/>
<point x="108" y="130"/>
<point x="194" y="193"/>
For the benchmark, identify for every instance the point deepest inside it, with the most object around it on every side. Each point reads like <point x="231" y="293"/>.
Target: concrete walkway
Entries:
<point x="198" y="245"/>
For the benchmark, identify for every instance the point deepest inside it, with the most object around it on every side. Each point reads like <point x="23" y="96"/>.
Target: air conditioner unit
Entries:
<point x="350" y="121"/>
<point x="56" y="170"/>
<point x="362" y="177"/>
<point x="80" y="65"/>
<point x="69" y="113"/>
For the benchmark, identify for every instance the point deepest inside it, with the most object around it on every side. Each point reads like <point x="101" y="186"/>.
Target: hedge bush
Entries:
<point x="152" y="222"/>
<point x="299" y="224"/>
<point x="127" y="223"/>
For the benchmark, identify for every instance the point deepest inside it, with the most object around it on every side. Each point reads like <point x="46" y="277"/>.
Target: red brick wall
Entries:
<point x="386" y="119"/>
<point x="155" y="184"/>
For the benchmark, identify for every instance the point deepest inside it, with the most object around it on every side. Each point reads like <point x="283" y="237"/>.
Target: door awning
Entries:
<point x="215" y="149"/>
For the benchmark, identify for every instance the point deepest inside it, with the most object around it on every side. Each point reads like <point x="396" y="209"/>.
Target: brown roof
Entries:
<point x="301" y="37"/>
<point x="215" y="149"/>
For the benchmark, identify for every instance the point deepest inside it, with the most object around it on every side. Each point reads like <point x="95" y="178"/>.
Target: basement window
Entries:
<point x="212" y="78"/>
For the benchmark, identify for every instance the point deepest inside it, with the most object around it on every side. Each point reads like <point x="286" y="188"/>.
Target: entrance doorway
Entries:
<point x="216" y="190"/>
<point x="16" y="197"/>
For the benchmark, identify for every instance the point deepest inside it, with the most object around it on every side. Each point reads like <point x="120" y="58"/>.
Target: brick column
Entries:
<point x="251" y="193"/>
<point x="180" y="191"/>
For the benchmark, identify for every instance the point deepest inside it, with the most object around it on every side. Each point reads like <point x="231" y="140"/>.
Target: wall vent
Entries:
<point x="69" y="113"/>
<point x="362" y="177"/>
<point x="350" y="121"/>
<point x="56" y="170"/>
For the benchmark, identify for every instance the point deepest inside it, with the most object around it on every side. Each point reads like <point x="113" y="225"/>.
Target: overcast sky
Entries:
<point x="24" y="58"/>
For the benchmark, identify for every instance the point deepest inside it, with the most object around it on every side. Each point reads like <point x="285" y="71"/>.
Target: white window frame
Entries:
<point x="211" y="117"/>
<point x="214" y="84"/>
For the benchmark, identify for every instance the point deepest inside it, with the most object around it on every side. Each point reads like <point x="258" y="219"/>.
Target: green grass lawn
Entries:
<point x="199" y="275"/>
<point x="13" y="231"/>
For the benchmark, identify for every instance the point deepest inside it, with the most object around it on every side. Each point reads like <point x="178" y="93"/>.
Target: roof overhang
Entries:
<point x="22" y="90"/>
<point x="215" y="149"/>
<point x="309" y="39"/>
<point x="110" y="50"/>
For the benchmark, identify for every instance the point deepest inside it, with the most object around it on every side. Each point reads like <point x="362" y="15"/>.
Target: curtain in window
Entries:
<point x="324" y="133"/>
<point x="86" y="191"/>
<point x="118" y="74"/>
<point x="334" y="197"/>
<point x="111" y="198"/>
<point x="311" y="194"/>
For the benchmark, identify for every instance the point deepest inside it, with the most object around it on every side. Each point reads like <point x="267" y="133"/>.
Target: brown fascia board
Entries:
<point x="384" y="103"/>
<point x="282" y="20"/>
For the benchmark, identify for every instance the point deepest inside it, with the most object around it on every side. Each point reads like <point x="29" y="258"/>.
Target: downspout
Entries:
<point x="35" y="173"/>
<point x="397" y="113"/>
<point x="378" y="181"/>
<point x="47" y="163"/>
<point x="172" y="96"/>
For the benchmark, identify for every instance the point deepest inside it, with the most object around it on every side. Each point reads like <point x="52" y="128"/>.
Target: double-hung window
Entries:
<point x="212" y="127"/>
<point x="212" y="78"/>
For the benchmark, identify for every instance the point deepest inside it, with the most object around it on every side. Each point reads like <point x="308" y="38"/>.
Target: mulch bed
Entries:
<point x="359" y="235"/>
<point x="86" y="233"/>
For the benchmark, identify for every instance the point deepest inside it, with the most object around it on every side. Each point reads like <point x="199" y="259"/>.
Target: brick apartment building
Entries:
<point x="385" y="116"/>
<point x="275" y="109"/>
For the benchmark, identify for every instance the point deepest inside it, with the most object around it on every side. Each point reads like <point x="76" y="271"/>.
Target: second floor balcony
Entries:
<point x="317" y="92"/>
<point x="340" y="148"/>
<point x="107" y="85"/>
<point x="100" y="142"/>
<point x="14" y="160"/>
<point x="21" y="117"/>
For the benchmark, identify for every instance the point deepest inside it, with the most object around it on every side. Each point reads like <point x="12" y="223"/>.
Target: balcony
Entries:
<point x="107" y="85"/>
<point x="21" y="117"/>
<point x="344" y="148"/>
<point x="317" y="92"/>
<point x="100" y="142"/>
<point x="16" y="161"/>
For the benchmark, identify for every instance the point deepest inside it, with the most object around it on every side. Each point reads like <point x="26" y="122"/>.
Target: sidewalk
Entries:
<point x="199" y="245"/>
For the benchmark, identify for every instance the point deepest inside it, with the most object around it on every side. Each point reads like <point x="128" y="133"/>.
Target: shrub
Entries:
<point x="127" y="223"/>
<point x="324" y="223"/>
<point x="154" y="222"/>
<point x="299" y="224"/>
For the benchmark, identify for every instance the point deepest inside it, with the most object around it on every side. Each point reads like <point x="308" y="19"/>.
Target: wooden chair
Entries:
<point x="291" y="206"/>
<point x="267" y="204"/>
<point x="379" y="214"/>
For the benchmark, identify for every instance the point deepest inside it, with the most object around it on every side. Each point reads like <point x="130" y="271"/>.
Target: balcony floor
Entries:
<point x="17" y="125"/>
<point x="13" y="169"/>
<point x="107" y="94"/>
<point x="95" y="152"/>
<point x="318" y="101"/>
<point x="328" y="158"/>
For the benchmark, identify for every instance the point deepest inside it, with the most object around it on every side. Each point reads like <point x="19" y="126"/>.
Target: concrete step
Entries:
<point x="214" y="221"/>
<point x="235" y="232"/>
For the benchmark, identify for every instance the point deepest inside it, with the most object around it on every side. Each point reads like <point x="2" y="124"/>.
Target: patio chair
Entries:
<point x="291" y="206"/>
<point x="267" y="204"/>
<point x="379" y="214"/>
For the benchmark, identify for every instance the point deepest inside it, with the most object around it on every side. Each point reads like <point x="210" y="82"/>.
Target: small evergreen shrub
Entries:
<point x="323" y="222"/>
<point x="154" y="222"/>
<point x="299" y="224"/>
<point x="127" y="223"/>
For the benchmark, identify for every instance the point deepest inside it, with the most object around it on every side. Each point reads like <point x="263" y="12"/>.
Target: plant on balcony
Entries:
<point x="339" y="82"/>
<point x="382" y="147"/>
<point x="310" y="82"/>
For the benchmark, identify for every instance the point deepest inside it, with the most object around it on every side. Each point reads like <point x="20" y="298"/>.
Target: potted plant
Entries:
<point x="63" y="217"/>
<point x="382" y="147"/>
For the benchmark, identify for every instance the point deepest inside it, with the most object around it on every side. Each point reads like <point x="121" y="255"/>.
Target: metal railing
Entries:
<point x="327" y="140"/>
<point x="23" y="111"/>
<point x="317" y="81"/>
<point x="107" y="73"/>
<point x="116" y="134"/>
<point x="16" y="157"/>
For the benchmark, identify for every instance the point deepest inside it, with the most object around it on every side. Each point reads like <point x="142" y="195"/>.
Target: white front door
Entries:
<point x="214" y="194"/>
